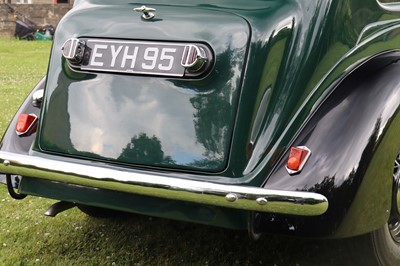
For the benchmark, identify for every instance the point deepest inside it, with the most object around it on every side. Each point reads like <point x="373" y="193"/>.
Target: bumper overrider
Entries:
<point x="163" y="186"/>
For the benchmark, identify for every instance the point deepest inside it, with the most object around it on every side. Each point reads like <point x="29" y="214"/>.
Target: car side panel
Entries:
<point x="354" y="139"/>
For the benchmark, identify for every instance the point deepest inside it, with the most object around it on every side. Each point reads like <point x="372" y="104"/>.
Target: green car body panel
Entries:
<point x="312" y="63"/>
<point x="275" y="65"/>
<point x="160" y="122"/>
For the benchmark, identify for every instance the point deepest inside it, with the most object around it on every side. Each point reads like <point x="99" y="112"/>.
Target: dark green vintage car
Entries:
<point x="278" y="116"/>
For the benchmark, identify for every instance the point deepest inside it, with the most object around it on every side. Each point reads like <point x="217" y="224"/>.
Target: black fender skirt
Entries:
<point x="354" y="137"/>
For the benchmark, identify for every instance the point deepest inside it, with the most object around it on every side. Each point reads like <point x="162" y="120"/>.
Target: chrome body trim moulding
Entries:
<point x="157" y="185"/>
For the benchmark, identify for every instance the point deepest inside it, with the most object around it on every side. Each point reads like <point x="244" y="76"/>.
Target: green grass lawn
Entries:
<point x="27" y="237"/>
<point x="22" y="65"/>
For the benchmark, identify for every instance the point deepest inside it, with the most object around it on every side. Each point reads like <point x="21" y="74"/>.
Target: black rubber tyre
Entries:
<point x="98" y="212"/>
<point x="375" y="248"/>
<point x="381" y="247"/>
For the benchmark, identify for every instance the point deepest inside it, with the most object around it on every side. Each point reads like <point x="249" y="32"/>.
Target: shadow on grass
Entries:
<point x="140" y="240"/>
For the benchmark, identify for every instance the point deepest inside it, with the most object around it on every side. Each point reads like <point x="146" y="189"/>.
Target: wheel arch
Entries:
<point x="353" y="136"/>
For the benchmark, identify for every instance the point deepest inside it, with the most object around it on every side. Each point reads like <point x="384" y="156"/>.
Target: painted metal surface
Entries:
<point x="297" y="51"/>
<point x="162" y="122"/>
<point x="277" y="63"/>
<point x="354" y="173"/>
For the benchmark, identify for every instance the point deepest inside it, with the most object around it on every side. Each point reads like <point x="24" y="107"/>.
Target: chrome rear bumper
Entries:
<point x="162" y="186"/>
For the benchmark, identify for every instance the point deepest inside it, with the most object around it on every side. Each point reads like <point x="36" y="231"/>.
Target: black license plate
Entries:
<point x="135" y="57"/>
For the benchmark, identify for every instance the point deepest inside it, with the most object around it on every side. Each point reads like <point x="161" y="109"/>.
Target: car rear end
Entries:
<point x="145" y="108"/>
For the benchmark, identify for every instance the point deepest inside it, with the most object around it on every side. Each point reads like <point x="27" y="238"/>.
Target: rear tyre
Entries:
<point x="382" y="247"/>
<point x="386" y="245"/>
<point x="376" y="248"/>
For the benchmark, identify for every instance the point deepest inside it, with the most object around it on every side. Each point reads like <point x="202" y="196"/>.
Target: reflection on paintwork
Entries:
<point x="354" y="142"/>
<point x="311" y="65"/>
<point x="146" y="149"/>
<point x="210" y="118"/>
<point x="332" y="132"/>
<point x="311" y="70"/>
<point x="123" y="113"/>
<point x="188" y="130"/>
<point x="184" y="123"/>
<point x="263" y="126"/>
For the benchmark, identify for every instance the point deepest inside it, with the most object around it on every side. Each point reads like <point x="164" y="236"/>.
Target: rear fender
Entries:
<point x="354" y="139"/>
<point x="11" y="142"/>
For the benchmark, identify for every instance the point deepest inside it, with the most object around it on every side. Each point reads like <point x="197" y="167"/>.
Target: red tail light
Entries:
<point x="26" y="124"/>
<point x="297" y="158"/>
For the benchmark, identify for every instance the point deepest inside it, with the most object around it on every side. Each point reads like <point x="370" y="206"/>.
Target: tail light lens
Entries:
<point x="27" y="124"/>
<point x="298" y="156"/>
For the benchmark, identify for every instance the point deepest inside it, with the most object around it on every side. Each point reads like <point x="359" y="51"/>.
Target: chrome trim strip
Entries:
<point x="158" y="185"/>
